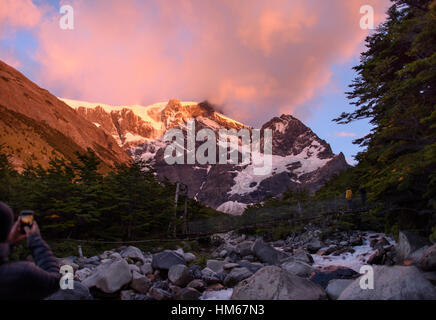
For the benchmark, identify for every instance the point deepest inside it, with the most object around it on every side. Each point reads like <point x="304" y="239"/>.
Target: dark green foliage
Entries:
<point x="396" y="90"/>
<point x="75" y="200"/>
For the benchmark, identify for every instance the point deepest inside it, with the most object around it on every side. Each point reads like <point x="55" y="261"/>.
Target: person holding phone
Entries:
<point x="25" y="280"/>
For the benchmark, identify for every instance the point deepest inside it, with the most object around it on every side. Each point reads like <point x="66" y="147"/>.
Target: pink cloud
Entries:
<point x="255" y="58"/>
<point x="345" y="134"/>
<point x="18" y="14"/>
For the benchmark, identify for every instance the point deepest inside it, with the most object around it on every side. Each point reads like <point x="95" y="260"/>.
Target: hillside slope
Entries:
<point x="36" y="126"/>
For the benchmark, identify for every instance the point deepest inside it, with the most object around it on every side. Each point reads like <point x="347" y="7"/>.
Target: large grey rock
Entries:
<point x="336" y="286"/>
<point x="298" y="268"/>
<point x="392" y="283"/>
<point x="209" y="276"/>
<point x="134" y="268"/>
<point x="166" y="259"/>
<point x="110" y="277"/>
<point x="244" y="248"/>
<point x="180" y="275"/>
<point x="146" y="268"/>
<point x="236" y="276"/>
<point x="115" y="256"/>
<point x="133" y="253"/>
<point x="302" y="255"/>
<point x="216" y="266"/>
<point x="252" y="266"/>
<point x="274" y="283"/>
<point x="266" y="253"/>
<point x="408" y="243"/>
<point x="314" y="245"/>
<point x="428" y="260"/>
<point x="82" y="274"/>
<point x="140" y="283"/>
<point x="189" y="257"/>
<point x="80" y="292"/>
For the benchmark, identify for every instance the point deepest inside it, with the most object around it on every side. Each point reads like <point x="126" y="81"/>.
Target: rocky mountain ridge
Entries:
<point x="300" y="159"/>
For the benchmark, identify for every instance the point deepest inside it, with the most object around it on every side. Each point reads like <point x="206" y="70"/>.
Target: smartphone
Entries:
<point x="26" y="217"/>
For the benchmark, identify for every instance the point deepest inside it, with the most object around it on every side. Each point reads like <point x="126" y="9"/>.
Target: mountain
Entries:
<point x="300" y="159"/>
<point x="36" y="126"/>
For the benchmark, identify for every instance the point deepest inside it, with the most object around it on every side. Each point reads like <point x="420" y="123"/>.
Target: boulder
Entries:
<point x="274" y="283"/>
<point x="209" y="276"/>
<point x="356" y="241"/>
<point x="197" y="284"/>
<point x="323" y="276"/>
<point x="430" y="276"/>
<point x="160" y="294"/>
<point x="377" y="257"/>
<point x="314" y="246"/>
<point x="133" y="253"/>
<point x="180" y="252"/>
<point x="302" y="255"/>
<point x="236" y="276"/>
<point x="428" y="260"/>
<point x="140" y="283"/>
<point x="82" y="274"/>
<point x="134" y="268"/>
<point x="187" y="294"/>
<point x="244" y="248"/>
<point x="298" y="268"/>
<point x="146" y="268"/>
<point x="115" y="256"/>
<point x="166" y="259"/>
<point x="216" y="266"/>
<point x="80" y="292"/>
<point x="229" y="266"/>
<point x="189" y="257"/>
<point x="196" y="271"/>
<point x="408" y="243"/>
<point x="266" y="253"/>
<point x="392" y="283"/>
<point x="110" y="277"/>
<point x="336" y="286"/>
<point x="416" y="256"/>
<point x="180" y="275"/>
<point x="252" y="266"/>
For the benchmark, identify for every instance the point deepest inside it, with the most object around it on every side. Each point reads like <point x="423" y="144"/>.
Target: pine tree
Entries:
<point x="396" y="90"/>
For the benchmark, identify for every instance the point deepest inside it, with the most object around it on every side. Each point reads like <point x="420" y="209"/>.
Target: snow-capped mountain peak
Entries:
<point x="300" y="159"/>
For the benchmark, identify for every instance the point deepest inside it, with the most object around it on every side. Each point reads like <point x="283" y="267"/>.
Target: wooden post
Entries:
<point x="173" y="221"/>
<point x="185" y="216"/>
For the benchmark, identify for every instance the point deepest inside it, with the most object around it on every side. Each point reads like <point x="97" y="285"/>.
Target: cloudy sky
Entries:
<point x="255" y="58"/>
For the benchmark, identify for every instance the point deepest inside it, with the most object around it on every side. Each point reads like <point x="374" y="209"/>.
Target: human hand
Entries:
<point x="32" y="230"/>
<point x="15" y="235"/>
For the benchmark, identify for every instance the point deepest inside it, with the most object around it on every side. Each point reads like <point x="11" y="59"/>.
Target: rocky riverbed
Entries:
<point x="306" y="266"/>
